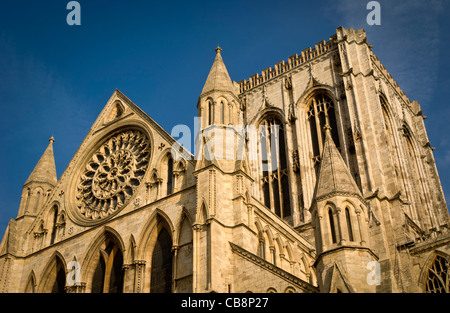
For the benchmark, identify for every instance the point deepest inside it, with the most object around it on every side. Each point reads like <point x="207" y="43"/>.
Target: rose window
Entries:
<point x="112" y="174"/>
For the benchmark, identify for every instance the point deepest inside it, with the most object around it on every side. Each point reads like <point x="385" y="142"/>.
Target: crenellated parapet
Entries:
<point x="294" y="61"/>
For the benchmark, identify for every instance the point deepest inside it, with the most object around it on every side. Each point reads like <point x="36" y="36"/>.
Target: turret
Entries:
<point x="339" y="216"/>
<point x="218" y="103"/>
<point x="221" y="173"/>
<point x="221" y="140"/>
<point x="39" y="184"/>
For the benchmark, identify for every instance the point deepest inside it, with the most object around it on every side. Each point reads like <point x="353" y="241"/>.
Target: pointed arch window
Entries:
<point x="349" y="225"/>
<point x="31" y="284"/>
<point x="274" y="255"/>
<point x="161" y="270"/>
<point x="413" y="176"/>
<point x="222" y="113"/>
<point x="36" y="205"/>
<point x="27" y="203"/>
<point x="332" y="228"/>
<point x="438" y="279"/>
<point x="210" y="113"/>
<point x="275" y="178"/>
<point x="55" y="225"/>
<point x="60" y="282"/>
<point x="54" y="277"/>
<point x="261" y="251"/>
<point x="262" y="248"/>
<point x="184" y="255"/>
<point x="169" y="175"/>
<point x="320" y="112"/>
<point x="108" y="274"/>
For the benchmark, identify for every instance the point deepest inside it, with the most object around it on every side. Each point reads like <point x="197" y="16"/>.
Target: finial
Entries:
<point x="218" y="49"/>
<point x="327" y="129"/>
<point x="52" y="140"/>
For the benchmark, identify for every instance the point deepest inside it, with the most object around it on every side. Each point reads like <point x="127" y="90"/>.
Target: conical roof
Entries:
<point x="45" y="169"/>
<point x="218" y="77"/>
<point x="334" y="175"/>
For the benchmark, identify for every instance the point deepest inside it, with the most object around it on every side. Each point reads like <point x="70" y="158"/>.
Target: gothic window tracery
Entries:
<point x="275" y="178"/>
<point x="438" y="278"/>
<point x="112" y="174"/>
<point x="321" y="112"/>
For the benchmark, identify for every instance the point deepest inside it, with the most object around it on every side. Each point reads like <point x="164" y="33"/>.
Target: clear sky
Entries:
<point x="55" y="78"/>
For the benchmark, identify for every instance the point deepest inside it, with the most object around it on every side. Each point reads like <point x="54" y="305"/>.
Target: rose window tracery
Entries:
<point x="112" y="174"/>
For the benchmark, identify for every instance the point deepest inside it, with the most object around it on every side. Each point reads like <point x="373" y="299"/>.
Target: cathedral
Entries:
<point x="314" y="176"/>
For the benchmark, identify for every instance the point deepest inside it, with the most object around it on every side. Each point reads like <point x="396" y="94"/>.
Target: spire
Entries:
<point x="218" y="78"/>
<point x="334" y="175"/>
<point x="45" y="170"/>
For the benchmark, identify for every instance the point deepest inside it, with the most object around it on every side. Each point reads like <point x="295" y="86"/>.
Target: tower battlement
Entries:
<point x="293" y="61"/>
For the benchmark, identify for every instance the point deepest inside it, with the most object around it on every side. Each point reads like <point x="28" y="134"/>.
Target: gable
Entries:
<point x="111" y="166"/>
<point x="337" y="281"/>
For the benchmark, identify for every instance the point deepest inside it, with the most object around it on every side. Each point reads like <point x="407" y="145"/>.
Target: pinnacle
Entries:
<point x="45" y="170"/>
<point x="218" y="77"/>
<point x="334" y="175"/>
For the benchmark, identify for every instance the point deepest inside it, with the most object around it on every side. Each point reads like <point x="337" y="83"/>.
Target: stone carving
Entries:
<point x="112" y="174"/>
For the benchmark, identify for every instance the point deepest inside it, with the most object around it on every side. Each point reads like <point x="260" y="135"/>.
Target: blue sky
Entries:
<point x="55" y="79"/>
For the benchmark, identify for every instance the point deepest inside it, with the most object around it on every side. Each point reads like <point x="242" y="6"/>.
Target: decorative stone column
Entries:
<point x="175" y="249"/>
<point x="361" y="235"/>
<point x="139" y="273"/>
<point x="339" y="226"/>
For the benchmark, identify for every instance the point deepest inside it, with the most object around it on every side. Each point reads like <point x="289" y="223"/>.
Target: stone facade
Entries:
<point x="314" y="176"/>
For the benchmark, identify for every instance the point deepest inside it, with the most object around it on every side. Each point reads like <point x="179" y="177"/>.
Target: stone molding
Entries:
<point x="305" y="286"/>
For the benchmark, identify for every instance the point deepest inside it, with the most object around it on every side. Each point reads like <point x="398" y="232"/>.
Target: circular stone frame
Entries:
<point x="108" y="175"/>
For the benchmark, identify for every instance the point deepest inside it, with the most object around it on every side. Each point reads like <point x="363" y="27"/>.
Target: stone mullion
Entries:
<point x="361" y="235"/>
<point x="318" y="130"/>
<point x="324" y="239"/>
<point x="269" y="165"/>
<point x="340" y="225"/>
<point x="277" y="156"/>
<point x="294" y="178"/>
